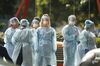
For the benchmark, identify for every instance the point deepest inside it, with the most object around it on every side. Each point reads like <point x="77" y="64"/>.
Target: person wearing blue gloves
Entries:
<point x="87" y="41"/>
<point x="45" y="43"/>
<point x="70" y="34"/>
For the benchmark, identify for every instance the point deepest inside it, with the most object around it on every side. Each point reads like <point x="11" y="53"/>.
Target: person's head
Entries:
<point x="24" y="23"/>
<point x="35" y="22"/>
<point x="14" y="22"/>
<point x="72" y="20"/>
<point x="89" y="25"/>
<point x="45" y="21"/>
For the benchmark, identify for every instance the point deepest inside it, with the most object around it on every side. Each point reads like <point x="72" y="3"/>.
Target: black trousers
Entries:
<point x="20" y="58"/>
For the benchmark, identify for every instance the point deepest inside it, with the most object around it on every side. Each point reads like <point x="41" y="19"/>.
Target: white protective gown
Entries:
<point x="45" y="46"/>
<point x="23" y="38"/>
<point x="33" y="51"/>
<point x="87" y="43"/>
<point x="70" y="34"/>
<point x="7" y="39"/>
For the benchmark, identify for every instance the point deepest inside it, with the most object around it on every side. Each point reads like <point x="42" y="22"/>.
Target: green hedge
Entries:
<point x="2" y="25"/>
<point x="1" y="38"/>
<point x="98" y="42"/>
<point x="59" y="36"/>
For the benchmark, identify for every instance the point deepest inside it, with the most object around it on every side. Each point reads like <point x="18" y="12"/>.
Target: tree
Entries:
<point x="7" y="7"/>
<point x="59" y="10"/>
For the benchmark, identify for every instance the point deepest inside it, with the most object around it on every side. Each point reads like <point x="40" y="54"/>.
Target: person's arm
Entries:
<point x="15" y="37"/>
<point x="66" y="35"/>
<point x="30" y="35"/>
<point x="77" y="35"/>
<point x="54" y="40"/>
<point x="36" y="40"/>
<point x="7" y="36"/>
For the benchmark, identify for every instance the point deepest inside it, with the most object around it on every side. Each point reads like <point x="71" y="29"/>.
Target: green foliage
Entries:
<point x="63" y="1"/>
<point x="2" y="25"/>
<point x="59" y="36"/>
<point x="58" y="10"/>
<point x="98" y="42"/>
<point x="7" y="7"/>
<point x="1" y="38"/>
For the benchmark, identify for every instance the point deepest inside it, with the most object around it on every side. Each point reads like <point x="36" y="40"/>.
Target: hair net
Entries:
<point x="72" y="19"/>
<point x="45" y="17"/>
<point x="13" y="20"/>
<point x="24" y="23"/>
<point x="88" y="23"/>
<point x="35" y="21"/>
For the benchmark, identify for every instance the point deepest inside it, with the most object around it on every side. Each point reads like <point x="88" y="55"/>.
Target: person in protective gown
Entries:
<point x="70" y="34"/>
<point x="45" y="43"/>
<point x="87" y="41"/>
<point x="13" y="25"/>
<point x="34" y="26"/>
<point x="22" y="39"/>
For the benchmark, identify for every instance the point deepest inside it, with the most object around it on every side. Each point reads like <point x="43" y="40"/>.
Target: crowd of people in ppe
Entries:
<point x="35" y="44"/>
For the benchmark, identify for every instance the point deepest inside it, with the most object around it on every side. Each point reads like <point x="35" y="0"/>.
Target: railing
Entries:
<point x="59" y="54"/>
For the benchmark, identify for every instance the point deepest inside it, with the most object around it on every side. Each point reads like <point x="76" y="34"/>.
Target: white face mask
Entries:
<point x="71" y="23"/>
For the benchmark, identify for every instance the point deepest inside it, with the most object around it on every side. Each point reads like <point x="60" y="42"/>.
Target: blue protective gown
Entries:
<point x="45" y="46"/>
<point x="87" y="43"/>
<point x="70" y="35"/>
<point x="7" y="39"/>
